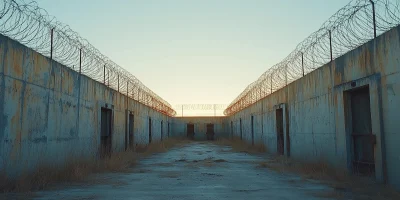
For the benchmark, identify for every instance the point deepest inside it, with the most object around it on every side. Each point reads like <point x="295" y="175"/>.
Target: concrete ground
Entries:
<point x="195" y="171"/>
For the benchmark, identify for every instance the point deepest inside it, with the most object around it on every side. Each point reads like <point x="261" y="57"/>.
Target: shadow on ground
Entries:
<point x="199" y="170"/>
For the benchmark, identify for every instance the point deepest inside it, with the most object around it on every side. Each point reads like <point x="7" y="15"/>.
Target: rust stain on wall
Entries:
<point x="15" y="126"/>
<point x="17" y="63"/>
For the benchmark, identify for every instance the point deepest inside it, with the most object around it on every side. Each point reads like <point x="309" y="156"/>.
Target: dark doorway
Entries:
<point x="127" y="132"/>
<point x="252" y="130"/>
<point x="287" y="132"/>
<point x="210" y="132"/>
<point x="130" y="130"/>
<point x="241" y="129"/>
<point x="149" y="130"/>
<point x="190" y="131"/>
<point x="106" y="139"/>
<point x="363" y="141"/>
<point x="232" y="129"/>
<point x="168" y="130"/>
<point x="279" y="131"/>
<point x="162" y="132"/>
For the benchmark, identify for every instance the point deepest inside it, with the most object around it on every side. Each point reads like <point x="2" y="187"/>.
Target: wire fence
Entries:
<point x="32" y="26"/>
<point x="353" y="25"/>
<point x="186" y="110"/>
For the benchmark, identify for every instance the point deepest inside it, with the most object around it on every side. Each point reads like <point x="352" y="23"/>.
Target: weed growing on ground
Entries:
<point x="343" y="183"/>
<point x="78" y="169"/>
<point x="316" y="170"/>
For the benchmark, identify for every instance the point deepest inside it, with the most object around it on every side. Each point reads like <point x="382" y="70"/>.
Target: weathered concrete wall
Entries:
<point x="315" y="109"/>
<point x="179" y="127"/>
<point x="50" y="113"/>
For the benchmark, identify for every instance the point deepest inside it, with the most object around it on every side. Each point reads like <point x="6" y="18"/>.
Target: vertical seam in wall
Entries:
<point x="382" y="129"/>
<point x="127" y="136"/>
<point x="2" y="92"/>
<point x="23" y="90"/>
<point x="79" y="105"/>
<point x="333" y="90"/>
<point x="59" y="100"/>
<point x="262" y="121"/>
<point x="48" y="94"/>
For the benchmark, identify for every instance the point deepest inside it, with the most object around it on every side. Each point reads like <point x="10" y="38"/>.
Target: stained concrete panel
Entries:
<point x="35" y="105"/>
<point x="13" y="58"/>
<point x="391" y="114"/>
<point x="13" y="102"/>
<point x="37" y="68"/>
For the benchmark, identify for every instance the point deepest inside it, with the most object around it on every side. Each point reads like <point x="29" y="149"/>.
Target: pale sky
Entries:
<point x="194" y="51"/>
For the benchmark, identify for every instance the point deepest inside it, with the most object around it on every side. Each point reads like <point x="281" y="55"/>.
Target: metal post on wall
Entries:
<point x="80" y="60"/>
<point x="108" y="78"/>
<point x="138" y="93"/>
<point x="302" y="62"/>
<point x="118" y="82"/>
<point x="51" y="43"/>
<point x="271" y="82"/>
<point x="137" y="96"/>
<point x="330" y="43"/>
<point x="104" y="74"/>
<point x="373" y="17"/>
<point x="286" y="73"/>
<point x="127" y="97"/>
<point x="127" y="88"/>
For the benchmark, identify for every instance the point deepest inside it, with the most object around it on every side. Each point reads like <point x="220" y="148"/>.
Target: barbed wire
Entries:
<point x="200" y="109"/>
<point x="32" y="26"/>
<point x="201" y="106"/>
<point x="353" y="25"/>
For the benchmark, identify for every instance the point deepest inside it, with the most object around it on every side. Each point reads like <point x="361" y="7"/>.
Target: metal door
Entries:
<point x="363" y="140"/>
<point x="279" y="131"/>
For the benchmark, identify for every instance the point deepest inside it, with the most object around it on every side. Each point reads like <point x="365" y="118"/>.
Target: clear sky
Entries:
<point x="194" y="51"/>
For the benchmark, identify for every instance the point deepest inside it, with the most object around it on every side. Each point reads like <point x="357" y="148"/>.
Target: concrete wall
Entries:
<point x="179" y="127"/>
<point x="315" y="123"/>
<point x="49" y="113"/>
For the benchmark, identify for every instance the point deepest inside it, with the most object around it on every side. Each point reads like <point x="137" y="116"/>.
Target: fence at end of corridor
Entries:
<point x="191" y="110"/>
